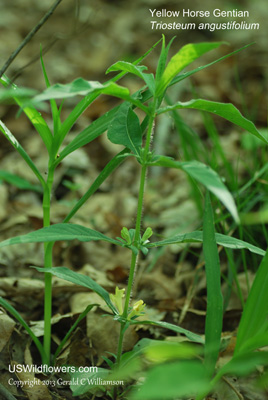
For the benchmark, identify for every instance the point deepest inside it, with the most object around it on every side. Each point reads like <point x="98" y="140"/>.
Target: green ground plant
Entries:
<point x="189" y="368"/>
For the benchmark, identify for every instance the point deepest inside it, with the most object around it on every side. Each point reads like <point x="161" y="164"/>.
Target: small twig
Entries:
<point x="29" y="37"/>
<point x="238" y="394"/>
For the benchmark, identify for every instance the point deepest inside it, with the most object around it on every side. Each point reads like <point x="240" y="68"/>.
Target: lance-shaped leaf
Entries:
<point x="81" y="280"/>
<point x="107" y="170"/>
<point x="19" y="318"/>
<point x="185" y="75"/>
<point x="68" y="334"/>
<point x="254" y="317"/>
<point x="162" y="59"/>
<point x="14" y="142"/>
<point x="205" y="175"/>
<point x="81" y="87"/>
<point x="58" y="232"/>
<point x="225" y="110"/>
<point x="214" y="296"/>
<point x="175" y="328"/>
<point x="125" y="129"/>
<point x="135" y="70"/>
<point x="94" y="130"/>
<point x="34" y="116"/>
<point x="20" y="93"/>
<point x="186" y="55"/>
<point x="86" y="101"/>
<point x="197" y="237"/>
<point x="19" y="182"/>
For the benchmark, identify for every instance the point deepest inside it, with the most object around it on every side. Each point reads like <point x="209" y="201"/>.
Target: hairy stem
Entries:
<point x="134" y="257"/>
<point x="139" y="213"/>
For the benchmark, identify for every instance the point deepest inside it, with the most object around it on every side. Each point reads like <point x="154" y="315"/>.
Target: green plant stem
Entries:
<point x="47" y="264"/>
<point x="139" y="213"/>
<point x="134" y="257"/>
<point x="120" y="343"/>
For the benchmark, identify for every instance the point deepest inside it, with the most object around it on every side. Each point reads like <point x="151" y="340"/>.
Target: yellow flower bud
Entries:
<point x="137" y="310"/>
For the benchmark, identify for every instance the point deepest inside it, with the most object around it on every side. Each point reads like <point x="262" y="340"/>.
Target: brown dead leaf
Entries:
<point x="79" y="301"/>
<point x="103" y="332"/>
<point x="32" y="386"/>
<point x="7" y="326"/>
<point x="21" y="286"/>
<point x="38" y="326"/>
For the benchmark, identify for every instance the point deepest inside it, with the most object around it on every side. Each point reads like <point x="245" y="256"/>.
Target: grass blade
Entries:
<point x="19" y="318"/>
<point x="254" y="318"/>
<point x="68" y="334"/>
<point x="53" y="104"/>
<point x="214" y="315"/>
<point x="19" y="182"/>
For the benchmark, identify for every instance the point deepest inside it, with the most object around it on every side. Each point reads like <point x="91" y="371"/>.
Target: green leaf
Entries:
<point x="39" y="123"/>
<point x="86" y="101"/>
<point x="190" y="335"/>
<point x="254" y="317"/>
<point x="162" y="59"/>
<point x="19" y="93"/>
<point x="197" y="237"/>
<point x="54" y="109"/>
<point x="127" y="67"/>
<point x="224" y="110"/>
<point x="186" y="55"/>
<point x="58" y="232"/>
<point x="81" y="280"/>
<point x="107" y="170"/>
<point x="68" y="334"/>
<point x="34" y="116"/>
<point x="94" y="130"/>
<point x="14" y="142"/>
<point x="255" y="342"/>
<point x="239" y="365"/>
<point x="205" y="175"/>
<point x="125" y="129"/>
<point x="244" y="364"/>
<point x="81" y="87"/>
<point x="162" y="351"/>
<point x="136" y="70"/>
<point x="19" y="182"/>
<point x="19" y="318"/>
<point x="173" y="380"/>
<point x="87" y="382"/>
<point x="194" y="71"/>
<point x="214" y="314"/>
<point x="102" y="123"/>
